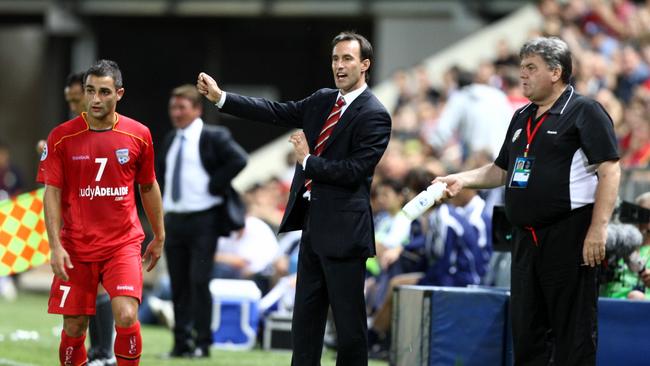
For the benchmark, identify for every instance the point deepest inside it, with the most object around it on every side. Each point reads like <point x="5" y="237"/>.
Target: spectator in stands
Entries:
<point x="11" y="180"/>
<point x="263" y="202"/>
<point x="512" y="88"/>
<point x="393" y="164"/>
<point x="477" y="113"/>
<point x="629" y="284"/>
<point x="390" y="231"/>
<point x="635" y="142"/>
<point x="634" y="72"/>
<point x="456" y="253"/>
<point x="505" y="58"/>
<point x="247" y="254"/>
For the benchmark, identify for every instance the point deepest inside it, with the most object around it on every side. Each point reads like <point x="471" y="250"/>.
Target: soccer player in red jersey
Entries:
<point x="90" y="166"/>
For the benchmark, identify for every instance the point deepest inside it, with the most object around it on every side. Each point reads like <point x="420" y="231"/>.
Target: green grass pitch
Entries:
<point x="30" y="337"/>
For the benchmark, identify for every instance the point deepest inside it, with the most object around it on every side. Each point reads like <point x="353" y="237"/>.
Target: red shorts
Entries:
<point x="121" y="275"/>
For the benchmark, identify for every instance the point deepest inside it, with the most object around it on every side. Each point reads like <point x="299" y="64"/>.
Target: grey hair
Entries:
<point x="554" y="51"/>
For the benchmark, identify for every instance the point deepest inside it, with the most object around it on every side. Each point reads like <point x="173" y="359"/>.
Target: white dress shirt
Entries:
<point x="194" y="178"/>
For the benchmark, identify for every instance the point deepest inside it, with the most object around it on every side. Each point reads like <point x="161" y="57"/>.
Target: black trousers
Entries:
<point x="324" y="282"/>
<point x="191" y="242"/>
<point x="553" y="297"/>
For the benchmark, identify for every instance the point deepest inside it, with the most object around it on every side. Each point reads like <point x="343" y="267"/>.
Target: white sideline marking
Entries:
<point x="6" y="362"/>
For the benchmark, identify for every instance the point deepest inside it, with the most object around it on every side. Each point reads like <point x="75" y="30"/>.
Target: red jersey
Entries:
<point x="96" y="172"/>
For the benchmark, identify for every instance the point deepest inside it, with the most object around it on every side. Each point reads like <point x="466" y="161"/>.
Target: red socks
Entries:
<point x="128" y="345"/>
<point x="72" y="351"/>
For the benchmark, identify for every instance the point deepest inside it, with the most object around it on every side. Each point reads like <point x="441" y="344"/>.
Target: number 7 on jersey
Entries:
<point x="102" y="166"/>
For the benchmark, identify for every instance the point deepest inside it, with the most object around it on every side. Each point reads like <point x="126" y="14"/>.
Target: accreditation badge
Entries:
<point x="521" y="172"/>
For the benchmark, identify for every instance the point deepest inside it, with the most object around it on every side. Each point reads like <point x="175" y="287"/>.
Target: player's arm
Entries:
<point x="152" y="203"/>
<point x="609" y="176"/>
<point x="488" y="176"/>
<point x="60" y="260"/>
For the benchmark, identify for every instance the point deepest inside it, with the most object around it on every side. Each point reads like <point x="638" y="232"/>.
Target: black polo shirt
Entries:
<point x="576" y="135"/>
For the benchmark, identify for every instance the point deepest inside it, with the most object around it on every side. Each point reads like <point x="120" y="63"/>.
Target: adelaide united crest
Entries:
<point x="122" y="155"/>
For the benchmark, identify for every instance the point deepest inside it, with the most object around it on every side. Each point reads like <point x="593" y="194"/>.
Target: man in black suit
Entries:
<point x="197" y="163"/>
<point x="344" y="134"/>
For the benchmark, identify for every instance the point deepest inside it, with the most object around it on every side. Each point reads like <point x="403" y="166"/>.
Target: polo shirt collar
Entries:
<point x="563" y="101"/>
<point x="560" y="104"/>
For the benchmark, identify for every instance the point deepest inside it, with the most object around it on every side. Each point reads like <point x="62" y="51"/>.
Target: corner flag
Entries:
<point x="23" y="238"/>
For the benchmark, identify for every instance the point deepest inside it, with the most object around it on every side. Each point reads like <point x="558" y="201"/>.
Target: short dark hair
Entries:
<point x="418" y="179"/>
<point x="394" y="184"/>
<point x="189" y="92"/>
<point x="465" y="78"/>
<point x="364" y="45"/>
<point x="554" y="51"/>
<point x="106" y="68"/>
<point x="74" y="78"/>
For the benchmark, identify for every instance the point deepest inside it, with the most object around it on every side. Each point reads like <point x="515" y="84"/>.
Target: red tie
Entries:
<point x="325" y="133"/>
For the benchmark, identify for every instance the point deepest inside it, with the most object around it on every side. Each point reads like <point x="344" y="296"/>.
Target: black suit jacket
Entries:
<point x="340" y="217"/>
<point x="223" y="159"/>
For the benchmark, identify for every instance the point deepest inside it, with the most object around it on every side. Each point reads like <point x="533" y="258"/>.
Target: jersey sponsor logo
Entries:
<point x="122" y="155"/>
<point x="97" y="191"/>
<point x="44" y="153"/>
<point x="81" y="157"/>
<point x="125" y="288"/>
<point x="551" y="132"/>
<point x="515" y="136"/>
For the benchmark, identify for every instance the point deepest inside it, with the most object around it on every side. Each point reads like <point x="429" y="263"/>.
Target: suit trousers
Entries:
<point x="324" y="282"/>
<point x="190" y="247"/>
<point x="554" y="297"/>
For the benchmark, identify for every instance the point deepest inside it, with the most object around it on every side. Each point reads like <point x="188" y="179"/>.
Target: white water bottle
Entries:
<point x="423" y="201"/>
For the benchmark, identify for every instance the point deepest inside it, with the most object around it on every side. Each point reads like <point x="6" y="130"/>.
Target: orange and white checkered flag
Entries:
<point x="23" y="238"/>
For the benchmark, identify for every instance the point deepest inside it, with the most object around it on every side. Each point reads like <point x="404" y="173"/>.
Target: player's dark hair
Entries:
<point x="74" y="78"/>
<point x="188" y="91"/>
<point x="106" y="68"/>
<point x="364" y="45"/>
<point x="394" y="184"/>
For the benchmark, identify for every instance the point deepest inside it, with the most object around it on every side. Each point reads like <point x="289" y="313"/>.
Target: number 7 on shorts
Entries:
<point x="66" y="291"/>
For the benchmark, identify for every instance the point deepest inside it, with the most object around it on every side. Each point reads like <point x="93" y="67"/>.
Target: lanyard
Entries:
<point x="530" y="136"/>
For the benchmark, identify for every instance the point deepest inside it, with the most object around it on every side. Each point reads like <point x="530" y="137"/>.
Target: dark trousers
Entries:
<point x="324" y="282"/>
<point x="553" y="297"/>
<point x="191" y="241"/>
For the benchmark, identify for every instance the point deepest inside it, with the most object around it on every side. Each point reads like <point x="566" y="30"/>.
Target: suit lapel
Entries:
<point x="324" y="110"/>
<point x="348" y="116"/>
